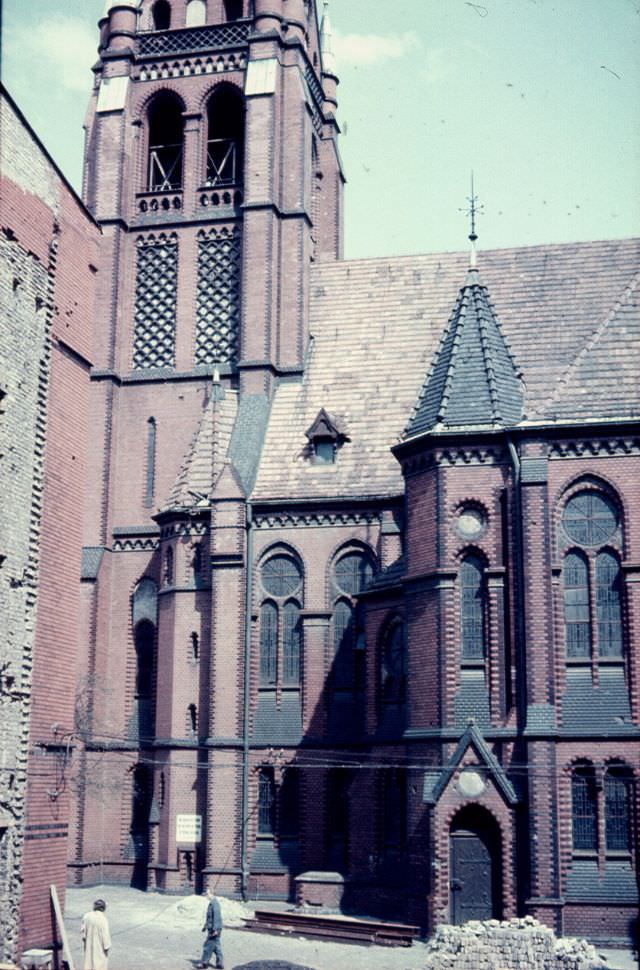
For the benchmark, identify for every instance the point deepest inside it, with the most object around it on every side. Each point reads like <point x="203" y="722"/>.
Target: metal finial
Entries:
<point x="473" y="210"/>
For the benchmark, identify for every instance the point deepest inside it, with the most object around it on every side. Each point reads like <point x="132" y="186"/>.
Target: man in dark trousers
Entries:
<point x="213" y="928"/>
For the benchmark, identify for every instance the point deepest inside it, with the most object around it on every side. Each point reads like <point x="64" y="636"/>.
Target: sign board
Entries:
<point x="188" y="828"/>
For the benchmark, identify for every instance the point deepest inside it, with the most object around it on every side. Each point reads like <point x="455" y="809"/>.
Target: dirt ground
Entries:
<point x="151" y="931"/>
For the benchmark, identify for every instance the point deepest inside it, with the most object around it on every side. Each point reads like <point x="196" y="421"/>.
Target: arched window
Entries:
<point x="196" y="13"/>
<point x="351" y="573"/>
<point x="197" y="564"/>
<point x="161" y="15"/>
<point x="577" y="621"/>
<point x="166" y="129"/>
<point x="151" y="463"/>
<point x="266" y="802"/>
<point x="394" y="665"/>
<point x="233" y="9"/>
<point x="472" y="608"/>
<point x="617" y="808"/>
<point x="584" y="808"/>
<point x="593" y="599"/>
<point x="608" y="604"/>
<point x="225" y="141"/>
<point x="280" y="622"/>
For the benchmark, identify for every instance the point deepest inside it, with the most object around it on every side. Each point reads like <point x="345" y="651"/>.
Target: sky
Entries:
<point x="540" y="98"/>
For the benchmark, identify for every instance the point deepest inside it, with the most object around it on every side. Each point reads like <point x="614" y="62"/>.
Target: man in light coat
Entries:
<point x="96" y="938"/>
<point x="213" y="928"/>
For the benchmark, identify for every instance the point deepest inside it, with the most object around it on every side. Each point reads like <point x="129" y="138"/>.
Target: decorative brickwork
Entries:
<point x="155" y="301"/>
<point x="218" y="309"/>
<point x="183" y="41"/>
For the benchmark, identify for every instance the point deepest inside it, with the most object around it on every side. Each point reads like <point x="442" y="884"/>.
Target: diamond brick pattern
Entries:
<point x="180" y="41"/>
<point x="218" y="305"/>
<point x="155" y="306"/>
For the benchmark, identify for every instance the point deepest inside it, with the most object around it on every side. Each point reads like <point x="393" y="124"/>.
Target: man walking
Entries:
<point x="96" y="938"/>
<point x="213" y="928"/>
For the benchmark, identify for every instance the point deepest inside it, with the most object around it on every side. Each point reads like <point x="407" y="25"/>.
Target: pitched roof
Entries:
<point x="206" y="459"/>
<point x="436" y="780"/>
<point x="568" y="312"/>
<point x="473" y="380"/>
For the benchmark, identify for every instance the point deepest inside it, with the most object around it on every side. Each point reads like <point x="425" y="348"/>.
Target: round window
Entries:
<point x="590" y="518"/>
<point x="353" y="572"/>
<point x="470" y="522"/>
<point x="281" y="576"/>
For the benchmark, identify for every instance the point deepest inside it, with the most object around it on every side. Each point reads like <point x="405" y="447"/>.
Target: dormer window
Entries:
<point x="326" y="436"/>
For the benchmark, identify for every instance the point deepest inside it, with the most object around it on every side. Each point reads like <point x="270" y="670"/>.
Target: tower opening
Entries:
<point x="161" y="15"/>
<point x="165" y="144"/>
<point x="196" y="13"/>
<point x="225" y="142"/>
<point x="233" y="9"/>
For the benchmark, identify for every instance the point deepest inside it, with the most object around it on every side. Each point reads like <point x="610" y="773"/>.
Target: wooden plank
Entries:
<point x="66" y="950"/>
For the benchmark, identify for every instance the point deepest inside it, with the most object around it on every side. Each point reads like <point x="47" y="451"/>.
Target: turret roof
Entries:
<point x="473" y="380"/>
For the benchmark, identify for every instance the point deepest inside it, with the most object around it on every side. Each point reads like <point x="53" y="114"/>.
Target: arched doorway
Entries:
<point x="474" y="867"/>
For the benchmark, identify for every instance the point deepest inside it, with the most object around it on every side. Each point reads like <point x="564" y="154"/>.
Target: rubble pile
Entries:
<point x="515" y="944"/>
<point x="192" y="911"/>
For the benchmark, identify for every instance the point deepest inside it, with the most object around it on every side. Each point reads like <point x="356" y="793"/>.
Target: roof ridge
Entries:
<point x="590" y="343"/>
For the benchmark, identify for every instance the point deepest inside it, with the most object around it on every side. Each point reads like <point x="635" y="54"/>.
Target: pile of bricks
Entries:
<point x="516" y="944"/>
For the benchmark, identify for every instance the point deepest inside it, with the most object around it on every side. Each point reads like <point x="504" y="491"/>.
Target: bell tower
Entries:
<point x="212" y="166"/>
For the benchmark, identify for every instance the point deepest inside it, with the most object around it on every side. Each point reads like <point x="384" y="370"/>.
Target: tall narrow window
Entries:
<point x="161" y="15"/>
<point x="617" y="815"/>
<point x="394" y="665"/>
<point x="338" y="784"/>
<point x="225" y="143"/>
<point x="343" y="645"/>
<point x="289" y="815"/>
<point x="196" y="13"/>
<point x="165" y="144"/>
<point x="280" y="622"/>
<point x="197" y="564"/>
<point x="577" y="622"/>
<point x="168" y="567"/>
<point x="144" y="706"/>
<point x="472" y="607"/>
<point x="608" y="605"/>
<point x="394" y="810"/>
<point x="151" y="463"/>
<point x="584" y="809"/>
<point x="268" y="643"/>
<point x="266" y="802"/>
<point x="351" y="573"/>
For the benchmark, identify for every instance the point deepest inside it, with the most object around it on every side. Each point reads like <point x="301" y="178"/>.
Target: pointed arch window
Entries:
<point x="592" y="580"/>
<point x="166" y="132"/>
<point x="577" y="615"/>
<point x="584" y="809"/>
<point x="351" y="574"/>
<point x="617" y="809"/>
<point x="281" y="622"/>
<point x="394" y="666"/>
<point x="472" y="608"/>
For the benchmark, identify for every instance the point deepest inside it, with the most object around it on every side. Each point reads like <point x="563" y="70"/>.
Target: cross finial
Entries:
<point x="473" y="210"/>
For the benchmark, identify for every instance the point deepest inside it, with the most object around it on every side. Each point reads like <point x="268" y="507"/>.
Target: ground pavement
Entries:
<point x="151" y="931"/>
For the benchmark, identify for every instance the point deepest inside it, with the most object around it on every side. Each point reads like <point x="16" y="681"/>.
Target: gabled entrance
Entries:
<point x="474" y="874"/>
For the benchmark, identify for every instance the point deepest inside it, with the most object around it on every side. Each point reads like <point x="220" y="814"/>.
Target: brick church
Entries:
<point x="360" y="577"/>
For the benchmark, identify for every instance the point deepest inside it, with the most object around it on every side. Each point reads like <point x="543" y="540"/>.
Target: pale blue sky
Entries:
<point x="540" y="97"/>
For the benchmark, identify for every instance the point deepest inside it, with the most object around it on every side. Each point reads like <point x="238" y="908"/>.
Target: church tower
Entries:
<point x="212" y="168"/>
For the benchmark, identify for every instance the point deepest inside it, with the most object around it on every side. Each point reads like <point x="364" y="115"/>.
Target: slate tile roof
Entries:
<point x="569" y="314"/>
<point x="473" y="379"/>
<point x="206" y="459"/>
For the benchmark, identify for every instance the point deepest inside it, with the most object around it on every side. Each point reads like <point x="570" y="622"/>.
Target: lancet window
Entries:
<point x="280" y="622"/>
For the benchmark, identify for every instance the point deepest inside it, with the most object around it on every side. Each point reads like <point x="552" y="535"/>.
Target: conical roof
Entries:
<point x="473" y="381"/>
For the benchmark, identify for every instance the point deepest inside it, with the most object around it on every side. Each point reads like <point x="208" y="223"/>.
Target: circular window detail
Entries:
<point x="471" y="783"/>
<point x="590" y="518"/>
<point x="470" y="522"/>
<point x="281" y="576"/>
<point x="352" y="573"/>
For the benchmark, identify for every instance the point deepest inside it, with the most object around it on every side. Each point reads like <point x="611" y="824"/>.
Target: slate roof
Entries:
<point x="206" y="459"/>
<point x="568" y="312"/>
<point x="473" y="379"/>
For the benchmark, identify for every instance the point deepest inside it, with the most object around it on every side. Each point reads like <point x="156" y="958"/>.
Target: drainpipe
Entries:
<point x="519" y="600"/>
<point x="247" y="699"/>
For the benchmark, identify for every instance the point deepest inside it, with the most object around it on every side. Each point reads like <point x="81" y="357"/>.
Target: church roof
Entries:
<point x="568" y="312"/>
<point x="473" y="380"/>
